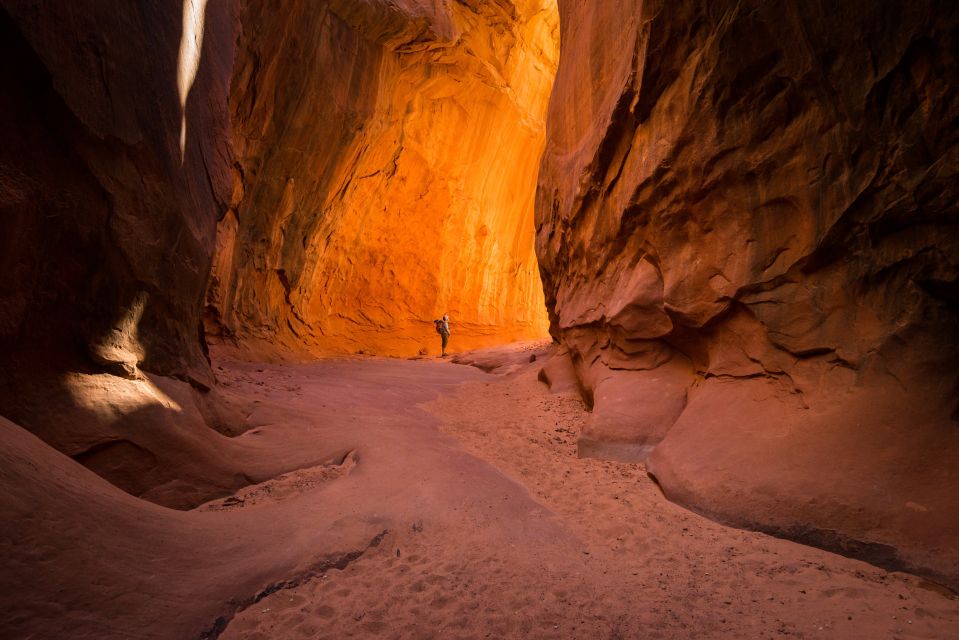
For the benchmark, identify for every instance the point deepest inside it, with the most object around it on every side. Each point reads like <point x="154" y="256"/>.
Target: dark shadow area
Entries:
<point x="106" y="233"/>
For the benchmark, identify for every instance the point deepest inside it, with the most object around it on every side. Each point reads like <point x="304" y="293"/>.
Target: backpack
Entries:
<point x="438" y="325"/>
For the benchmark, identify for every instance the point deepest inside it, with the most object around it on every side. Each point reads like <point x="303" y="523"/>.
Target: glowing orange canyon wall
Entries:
<point x="386" y="166"/>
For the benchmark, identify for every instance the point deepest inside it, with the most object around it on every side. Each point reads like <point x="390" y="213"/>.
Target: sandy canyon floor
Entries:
<point x="487" y="525"/>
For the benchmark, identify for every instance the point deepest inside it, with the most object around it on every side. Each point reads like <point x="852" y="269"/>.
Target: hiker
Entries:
<point x="443" y="328"/>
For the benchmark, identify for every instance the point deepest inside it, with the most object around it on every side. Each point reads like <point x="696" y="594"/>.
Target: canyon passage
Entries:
<point x="700" y="264"/>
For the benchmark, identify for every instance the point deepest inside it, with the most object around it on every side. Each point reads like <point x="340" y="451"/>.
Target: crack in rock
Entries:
<point x="340" y="562"/>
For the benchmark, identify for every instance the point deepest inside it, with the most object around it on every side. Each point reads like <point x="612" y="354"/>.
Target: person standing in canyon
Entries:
<point x="443" y="328"/>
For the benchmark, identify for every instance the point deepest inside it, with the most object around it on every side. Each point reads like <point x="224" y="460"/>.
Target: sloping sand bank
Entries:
<point x="457" y="509"/>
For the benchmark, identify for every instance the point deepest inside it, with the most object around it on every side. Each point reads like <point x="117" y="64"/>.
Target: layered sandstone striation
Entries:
<point x="386" y="167"/>
<point x="746" y="224"/>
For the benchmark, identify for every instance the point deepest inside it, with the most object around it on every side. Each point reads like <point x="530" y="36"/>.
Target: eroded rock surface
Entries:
<point x="111" y="181"/>
<point x="346" y="171"/>
<point x="746" y="224"/>
<point x="387" y="155"/>
<point x="114" y="169"/>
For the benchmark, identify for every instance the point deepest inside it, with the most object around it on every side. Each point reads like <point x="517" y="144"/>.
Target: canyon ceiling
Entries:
<point x="737" y="222"/>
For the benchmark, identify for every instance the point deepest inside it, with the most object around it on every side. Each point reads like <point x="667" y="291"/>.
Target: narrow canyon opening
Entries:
<point x="700" y="264"/>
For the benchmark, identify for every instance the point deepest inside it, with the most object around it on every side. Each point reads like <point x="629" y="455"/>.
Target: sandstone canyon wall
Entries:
<point x="746" y="223"/>
<point x="109" y="218"/>
<point x="348" y="171"/>
<point x="116" y="164"/>
<point x="387" y="158"/>
<point x="746" y="227"/>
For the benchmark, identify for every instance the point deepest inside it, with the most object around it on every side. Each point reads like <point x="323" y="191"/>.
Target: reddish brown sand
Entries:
<point x="519" y="538"/>
<point x="450" y="505"/>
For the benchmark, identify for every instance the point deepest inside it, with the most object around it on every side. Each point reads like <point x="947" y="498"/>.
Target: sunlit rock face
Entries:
<point x="387" y="159"/>
<point x="746" y="223"/>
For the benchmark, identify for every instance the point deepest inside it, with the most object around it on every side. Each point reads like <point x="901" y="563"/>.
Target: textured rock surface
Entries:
<point x="746" y="223"/>
<point x="114" y="168"/>
<point x="383" y="173"/>
<point x="387" y="161"/>
<point x="108" y="224"/>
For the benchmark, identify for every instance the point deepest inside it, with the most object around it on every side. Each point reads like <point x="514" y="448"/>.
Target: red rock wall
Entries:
<point x="108" y="225"/>
<point x="746" y="224"/>
<point x="387" y="165"/>
<point x="348" y="173"/>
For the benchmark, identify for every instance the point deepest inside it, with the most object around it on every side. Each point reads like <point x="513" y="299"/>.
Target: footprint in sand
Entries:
<point x="325" y="611"/>
<point x="375" y="626"/>
<point x="419" y="586"/>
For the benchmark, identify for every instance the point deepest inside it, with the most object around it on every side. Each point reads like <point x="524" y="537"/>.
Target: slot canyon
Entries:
<point x="700" y="263"/>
